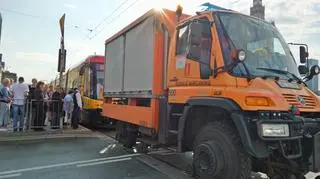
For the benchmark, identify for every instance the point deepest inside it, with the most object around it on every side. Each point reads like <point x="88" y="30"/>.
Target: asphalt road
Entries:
<point x="81" y="158"/>
<point x="86" y="158"/>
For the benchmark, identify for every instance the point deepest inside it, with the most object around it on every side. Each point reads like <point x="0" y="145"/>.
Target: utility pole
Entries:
<point x="62" y="51"/>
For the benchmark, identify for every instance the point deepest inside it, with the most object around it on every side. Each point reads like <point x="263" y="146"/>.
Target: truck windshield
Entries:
<point x="264" y="46"/>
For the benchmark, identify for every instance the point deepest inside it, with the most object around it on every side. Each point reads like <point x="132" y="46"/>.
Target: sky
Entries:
<point x="31" y="36"/>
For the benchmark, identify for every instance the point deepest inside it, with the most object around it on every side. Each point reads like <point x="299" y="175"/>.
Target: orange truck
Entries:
<point x="221" y="84"/>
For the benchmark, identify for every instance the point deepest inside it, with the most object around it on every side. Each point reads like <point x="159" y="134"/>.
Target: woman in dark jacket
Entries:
<point x="56" y="108"/>
<point x="38" y="107"/>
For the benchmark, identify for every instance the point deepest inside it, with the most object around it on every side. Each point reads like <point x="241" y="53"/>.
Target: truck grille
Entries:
<point x="292" y="100"/>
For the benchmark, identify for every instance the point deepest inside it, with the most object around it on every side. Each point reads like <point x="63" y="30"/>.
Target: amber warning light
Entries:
<point x="179" y="12"/>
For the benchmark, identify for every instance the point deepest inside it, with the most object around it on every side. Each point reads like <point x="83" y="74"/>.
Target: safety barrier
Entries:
<point x="39" y="115"/>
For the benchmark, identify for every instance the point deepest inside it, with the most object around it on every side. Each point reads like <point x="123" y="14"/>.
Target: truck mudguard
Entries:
<point x="254" y="149"/>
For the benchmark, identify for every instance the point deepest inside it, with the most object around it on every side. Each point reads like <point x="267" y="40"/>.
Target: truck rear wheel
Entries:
<point x="126" y="134"/>
<point x="287" y="175"/>
<point x="218" y="153"/>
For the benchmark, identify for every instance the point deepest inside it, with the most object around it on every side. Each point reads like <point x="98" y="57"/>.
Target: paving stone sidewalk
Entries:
<point x="7" y="135"/>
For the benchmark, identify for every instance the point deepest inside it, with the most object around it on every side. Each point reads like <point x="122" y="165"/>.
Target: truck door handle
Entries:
<point x="173" y="79"/>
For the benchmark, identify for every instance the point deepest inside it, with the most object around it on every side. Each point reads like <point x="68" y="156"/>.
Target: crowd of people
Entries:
<point x="38" y="105"/>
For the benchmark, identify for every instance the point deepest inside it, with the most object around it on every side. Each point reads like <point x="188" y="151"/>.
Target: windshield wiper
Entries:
<point x="277" y="78"/>
<point x="288" y="74"/>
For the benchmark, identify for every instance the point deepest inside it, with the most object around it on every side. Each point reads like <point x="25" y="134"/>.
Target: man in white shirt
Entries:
<point x="19" y="91"/>
<point x="77" y="107"/>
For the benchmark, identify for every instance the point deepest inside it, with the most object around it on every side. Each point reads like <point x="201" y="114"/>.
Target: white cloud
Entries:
<point x="78" y="50"/>
<point x="70" y="6"/>
<point x="35" y="56"/>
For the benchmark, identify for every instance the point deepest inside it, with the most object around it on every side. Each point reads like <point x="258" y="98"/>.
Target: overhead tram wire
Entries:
<point x="36" y="16"/>
<point x="110" y="15"/>
<point x="111" y="21"/>
<point x="23" y="14"/>
<point x="234" y="2"/>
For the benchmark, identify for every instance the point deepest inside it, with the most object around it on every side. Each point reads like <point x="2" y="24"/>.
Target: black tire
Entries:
<point x="219" y="145"/>
<point x="142" y="148"/>
<point x="287" y="176"/>
<point x="126" y="134"/>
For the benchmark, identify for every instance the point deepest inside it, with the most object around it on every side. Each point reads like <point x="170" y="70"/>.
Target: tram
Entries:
<point x="89" y="74"/>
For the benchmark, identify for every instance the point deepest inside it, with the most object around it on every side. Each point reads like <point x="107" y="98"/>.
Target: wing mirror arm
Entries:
<point x="315" y="70"/>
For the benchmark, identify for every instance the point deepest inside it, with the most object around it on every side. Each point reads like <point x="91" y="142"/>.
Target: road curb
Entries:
<point x="45" y="137"/>
<point x="59" y="134"/>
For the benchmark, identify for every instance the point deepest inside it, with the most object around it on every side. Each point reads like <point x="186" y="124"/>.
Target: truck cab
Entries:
<point x="237" y="82"/>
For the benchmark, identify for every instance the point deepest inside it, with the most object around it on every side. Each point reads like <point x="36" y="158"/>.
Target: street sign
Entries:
<point x="62" y="60"/>
<point x="61" y="22"/>
<point x="62" y="51"/>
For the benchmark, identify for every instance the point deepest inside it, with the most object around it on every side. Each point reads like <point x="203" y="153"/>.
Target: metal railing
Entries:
<point x="43" y="114"/>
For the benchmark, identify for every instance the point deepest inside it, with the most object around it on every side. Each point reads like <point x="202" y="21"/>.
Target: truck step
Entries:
<point x="173" y="148"/>
<point x="173" y="132"/>
<point x="176" y="114"/>
<point x="152" y="143"/>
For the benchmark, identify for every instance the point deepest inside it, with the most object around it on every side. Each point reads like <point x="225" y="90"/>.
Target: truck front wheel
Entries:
<point x="218" y="153"/>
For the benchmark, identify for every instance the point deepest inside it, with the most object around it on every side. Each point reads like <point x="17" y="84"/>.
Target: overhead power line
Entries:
<point x="110" y="15"/>
<point x="112" y="20"/>
<point x="234" y="2"/>
<point x="38" y="17"/>
<point x="24" y="14"/>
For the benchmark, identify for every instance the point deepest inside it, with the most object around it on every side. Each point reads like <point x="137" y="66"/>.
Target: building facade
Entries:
<point x="258" y="9"/>
<point x="9" y="75"/>
<point x="313" y="84"/>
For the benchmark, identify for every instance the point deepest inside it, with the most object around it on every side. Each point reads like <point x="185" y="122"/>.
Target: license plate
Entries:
<point x="316" y="153"/>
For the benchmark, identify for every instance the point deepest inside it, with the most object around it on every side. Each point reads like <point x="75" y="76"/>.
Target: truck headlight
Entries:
<point x="275" y="130"/>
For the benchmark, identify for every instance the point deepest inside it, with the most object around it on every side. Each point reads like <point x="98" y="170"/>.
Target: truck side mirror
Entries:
<point x="315" y="70"/>
<point x="194" y="41"/>
<point x="303" y="70"/>
<point x="303" y="54"/>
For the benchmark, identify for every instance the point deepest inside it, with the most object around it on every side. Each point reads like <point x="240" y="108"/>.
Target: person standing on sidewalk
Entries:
<point x="77" y="108"/>
<point x="56" y="108"/>
<point x="46" y="105"/>
<point x="11" y="96"/>
<point x="5" y="100"/>
<point x="68" y="106"/>
<point x="38" y="107"/>
<point x="32" y="87"/>
<point x="19" y="90"/>
<point x="49" y="96"/>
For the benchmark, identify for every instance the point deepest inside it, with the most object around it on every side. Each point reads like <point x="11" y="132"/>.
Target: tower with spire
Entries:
<point x="257" y="10"/>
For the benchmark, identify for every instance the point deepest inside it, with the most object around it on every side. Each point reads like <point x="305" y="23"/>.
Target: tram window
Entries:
<point x="87" y="87"/>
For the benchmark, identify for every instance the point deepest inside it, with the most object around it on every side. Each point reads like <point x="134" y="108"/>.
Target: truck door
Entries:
<point x="193" y="50"/>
